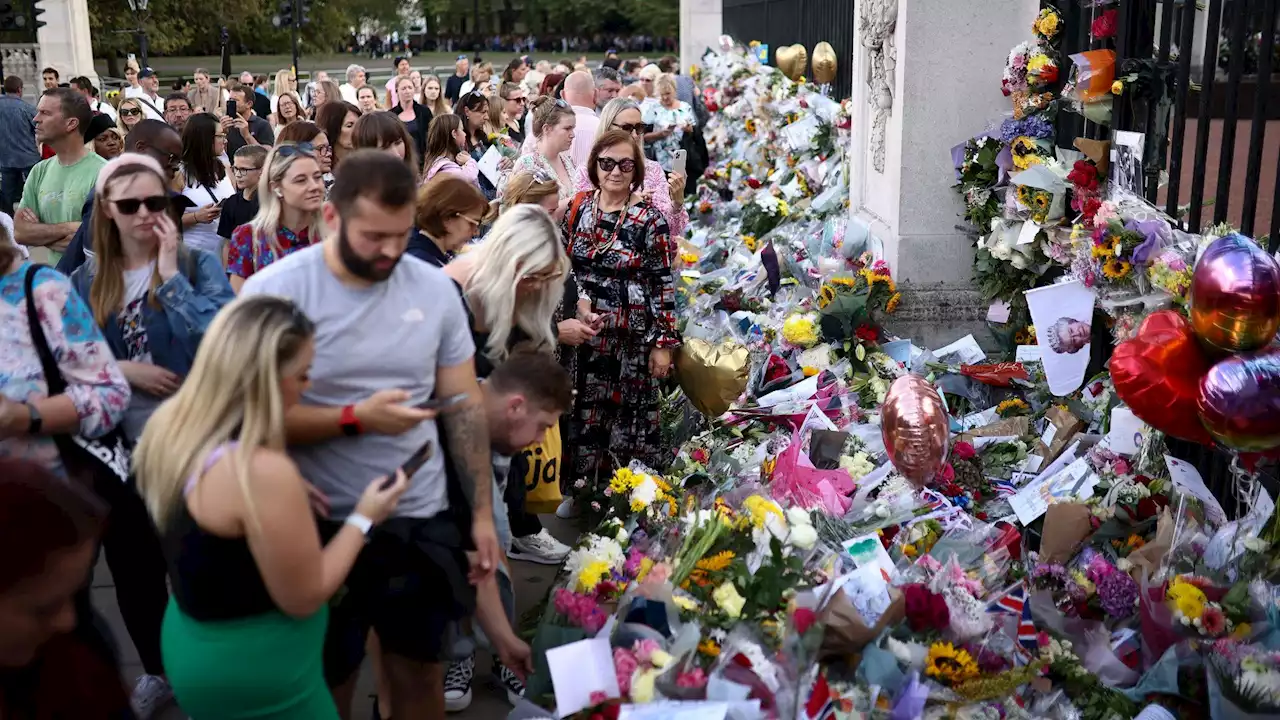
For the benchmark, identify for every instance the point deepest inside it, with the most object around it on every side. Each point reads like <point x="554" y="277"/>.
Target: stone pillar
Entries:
<point x="943" y="72"/>
<point x="700" y="28"/>
<point x="65" y="44"/>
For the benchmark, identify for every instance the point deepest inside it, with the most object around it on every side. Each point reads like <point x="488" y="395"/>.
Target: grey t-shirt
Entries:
<point x="392" y="335"/>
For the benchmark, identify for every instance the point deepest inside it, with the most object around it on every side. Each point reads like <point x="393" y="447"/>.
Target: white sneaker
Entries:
<point x="568" y="509"/>
<point x="540" y="548"/>
<point x="457" y="685"/>
<point x="150" y="693"/>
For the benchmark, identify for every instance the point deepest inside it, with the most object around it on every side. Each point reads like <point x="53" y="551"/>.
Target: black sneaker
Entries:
<point x="457" y="685"/>
<point x="509" y="681"/>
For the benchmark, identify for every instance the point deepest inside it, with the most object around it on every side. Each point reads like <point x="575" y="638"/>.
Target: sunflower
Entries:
<point x="716" y="562"/>
<point x="749" y="242"/>
<point x="949" y="664"/>
<point x="892" y="305"/>
<point x="709" y="648"/>
<point x="826" y="295"/>
<point x="1041" y="201"/>
<point x="1024" y="195"/>
<point x="1101" y="252"/>
<point x="1012" y="407"/>
<point x="1116" y="269"/>
<point x="843" y="281"/>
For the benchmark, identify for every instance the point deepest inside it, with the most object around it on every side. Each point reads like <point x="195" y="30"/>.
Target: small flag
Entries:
<point x="1027" y="631"/>
<point x="1011" y="602"/>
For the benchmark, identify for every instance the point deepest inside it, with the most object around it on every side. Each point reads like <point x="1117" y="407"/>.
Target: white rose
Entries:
<point x="798" y="516"/>
<point x="803" y="536"/>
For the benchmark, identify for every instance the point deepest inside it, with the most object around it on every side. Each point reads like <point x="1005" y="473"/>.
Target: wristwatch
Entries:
<point x="348" y="422"/>
<point x="36" y="424"/>
<point x="359" y="522"/>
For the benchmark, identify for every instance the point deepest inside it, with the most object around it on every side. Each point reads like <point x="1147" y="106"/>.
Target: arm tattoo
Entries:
<point x="468" y="437"/>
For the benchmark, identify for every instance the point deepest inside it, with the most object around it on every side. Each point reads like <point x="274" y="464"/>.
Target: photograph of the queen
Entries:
<point x="1068" y="336"/>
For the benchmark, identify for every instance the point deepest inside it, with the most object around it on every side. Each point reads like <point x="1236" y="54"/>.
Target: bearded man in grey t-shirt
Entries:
<point x="391" y="333"/>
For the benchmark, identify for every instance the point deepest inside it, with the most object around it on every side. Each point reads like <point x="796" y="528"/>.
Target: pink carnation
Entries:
<point x="624" y="666"/>
<point x="694" y="678"/>
<point x="644" y="650"/>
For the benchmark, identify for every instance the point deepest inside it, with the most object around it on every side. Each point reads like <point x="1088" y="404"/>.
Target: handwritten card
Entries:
<point x="1076" y="480"/>
<point x="489" y="164"/>
<point x="1125" y="435"/>
<point x="998" y="312"/>
<point x="1028" y="353"/>
<point x="580" y="669"/>
<point x="964" y="351"/>
<point x="1186" y="478"/>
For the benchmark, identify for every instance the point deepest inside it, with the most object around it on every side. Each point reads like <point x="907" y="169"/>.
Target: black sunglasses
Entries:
<point x="607" y="164"/>
<point x="291" y="149"/>
<point x="130" y="206"/>
<point x="130" y="112"/>
<point x="635" y="128"/>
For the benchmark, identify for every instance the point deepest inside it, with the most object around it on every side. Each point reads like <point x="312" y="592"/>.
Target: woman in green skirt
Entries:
<point x="244" y="633"/>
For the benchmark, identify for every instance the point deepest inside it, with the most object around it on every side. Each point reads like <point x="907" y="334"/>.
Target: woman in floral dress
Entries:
<point x="670" y="117"/>
<point x="290" y="194"/>
<point x="619" y="246"/>
<point x="553" y="126"/>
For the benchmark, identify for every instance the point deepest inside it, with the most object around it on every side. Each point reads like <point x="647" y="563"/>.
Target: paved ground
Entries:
<point x="1239" y="171"/>
<point x="532" y="582"/>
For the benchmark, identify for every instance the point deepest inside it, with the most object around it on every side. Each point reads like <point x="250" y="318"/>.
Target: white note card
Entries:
<point x="1028" y="353"/>
<point x="1125" y="433"/>
<point x="1186" y="478"/>
<point x="489" y="164"/>
<point x="964" y="351"/>
<point x="1074" y="481"/>
<point x="580" y="669"/>
<point x="998" y="312"/>
<point x="1028" y="233"/>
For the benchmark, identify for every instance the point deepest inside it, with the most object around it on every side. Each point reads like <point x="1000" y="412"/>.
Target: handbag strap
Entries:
<point x="574" y="208"/>
<point x="52" y="375"/>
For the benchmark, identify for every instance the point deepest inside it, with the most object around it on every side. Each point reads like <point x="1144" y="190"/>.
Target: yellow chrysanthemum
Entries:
<point x="749" y="242"/>
<point x="689" y="258"/>
<point x="800" y="330"/>
<point x="892" y="305"/>
<point x="716" y="562"/>
<point x="591" y="575"/>
<point x="949" y="664"/>
<point x="623" y="481"/>
<point x="760" y="508"/>
<point x="1047" y="23"/>
<point x="1116" y="269"/>
<point x="1187" y="599"/>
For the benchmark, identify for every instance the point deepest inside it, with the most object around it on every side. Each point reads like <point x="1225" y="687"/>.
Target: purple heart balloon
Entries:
<point x="1235" y="295"/>
<point x="1240" y="401"/>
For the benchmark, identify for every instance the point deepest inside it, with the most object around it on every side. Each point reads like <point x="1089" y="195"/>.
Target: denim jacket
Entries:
<point x="188" y="302"/>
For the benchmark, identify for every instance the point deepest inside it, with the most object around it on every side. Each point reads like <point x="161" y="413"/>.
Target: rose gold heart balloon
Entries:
<point x="915" y="429"/>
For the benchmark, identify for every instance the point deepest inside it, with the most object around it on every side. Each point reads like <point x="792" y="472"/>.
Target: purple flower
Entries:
<point x="1154" y="231"/>
<point x="1033" y="126"/>
<point x="1118" y="594"/>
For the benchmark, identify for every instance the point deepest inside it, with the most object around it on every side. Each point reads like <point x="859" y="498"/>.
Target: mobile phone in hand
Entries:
<point x="678" y="161"/>
<point x="231" y="108"/>
<point x="443" y="403"/>
<point x="410" y="466"/>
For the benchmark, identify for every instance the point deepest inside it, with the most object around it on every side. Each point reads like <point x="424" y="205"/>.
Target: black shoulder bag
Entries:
<point x="86" y="460"/>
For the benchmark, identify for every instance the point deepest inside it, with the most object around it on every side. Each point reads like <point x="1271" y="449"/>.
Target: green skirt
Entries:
<point x="267" y="666"/>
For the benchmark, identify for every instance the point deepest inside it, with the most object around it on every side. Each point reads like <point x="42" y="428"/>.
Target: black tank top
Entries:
<point x="214" y="578"/>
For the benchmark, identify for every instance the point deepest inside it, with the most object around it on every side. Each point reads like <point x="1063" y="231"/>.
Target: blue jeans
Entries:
<point x="12" y="180"/>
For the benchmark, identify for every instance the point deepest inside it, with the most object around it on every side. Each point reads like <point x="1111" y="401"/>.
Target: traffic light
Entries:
<point x="36" y="12"/>
<point x="285" y="17"/>
<point x="304" y="16"/>
<point x="10" y="18"/>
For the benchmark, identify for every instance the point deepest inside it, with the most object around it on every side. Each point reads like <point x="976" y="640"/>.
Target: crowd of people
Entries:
<point x="290" y="359"/>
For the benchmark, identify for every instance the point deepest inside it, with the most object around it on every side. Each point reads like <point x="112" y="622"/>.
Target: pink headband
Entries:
<point x="125" y="159"/>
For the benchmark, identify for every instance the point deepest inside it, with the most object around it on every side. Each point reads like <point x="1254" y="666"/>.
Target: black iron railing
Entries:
<point x="807" y="22"/>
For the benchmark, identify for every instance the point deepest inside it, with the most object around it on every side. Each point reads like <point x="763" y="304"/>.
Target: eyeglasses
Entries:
<point x="607" y="164"/>
<point x="241" y="172"/>
<point x="522" y="100"/>
<point x="635" y="128"/>
<point x="290" y="149"/>
<point x="130" y="112"/>
<point x="219" y="136"/>
<point x="473" y="221"/>
<point x="130" y="206"/>
<point x="543" y="277"/>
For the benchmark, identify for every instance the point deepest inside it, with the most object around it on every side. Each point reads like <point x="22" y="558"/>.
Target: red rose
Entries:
<point x="926" y="610"/>
<point x="804" y="103"/>
<point x="1049" y="74"/>
<point x="804" y="618"/>
<point x="1105" y="24"/>
<point x="868" y="333"/>
<point x="963" y="450"/>
<point x="1090" y="208"/>
<point x="981" y="516"/>
<point x="947" y="474"/>
<point x="1147" y="508"/>
<point x="753" y="183"/>
<point x="888" y="534"/>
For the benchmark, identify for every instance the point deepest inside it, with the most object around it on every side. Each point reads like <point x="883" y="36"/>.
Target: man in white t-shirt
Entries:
<point x="150" y="99"/>
<point x="355" y="80"/>
<point x="580" y="92"/>
<point x="391" y="334"/>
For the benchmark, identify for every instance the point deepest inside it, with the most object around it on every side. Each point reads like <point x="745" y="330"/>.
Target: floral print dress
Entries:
<point x="95" y="383"/>
<point x="539" y="167"/>
<point x="661" y="117"/>
<point x="621" y="260"/>
<point x="243" y="259"/>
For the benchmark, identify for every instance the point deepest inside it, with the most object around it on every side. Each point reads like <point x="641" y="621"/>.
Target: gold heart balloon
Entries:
<point x="712" y="376"/>
<point x="792" y="60"/>
<point x="824" y="63"/>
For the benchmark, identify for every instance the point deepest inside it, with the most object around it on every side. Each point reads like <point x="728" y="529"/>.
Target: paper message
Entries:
<point x="978" y="419"/>
<point x="1031" y="463"/>
<point x="1028" y="233"/>
<point x="964" y="351"/>
<point x="1186" y="478"/>
<point x="1125" y="435"/>
<point x="800" y="134"/>
<point x="868" y="592"/>
<point x="489" y="164"/>
<point x="899" y="350"/>
<point x="998" y="312"/>
<point x="868" y="551"/>
<point x="580" y="669"/>
<point x="1028" y="353"/>
<point x="1050" y="432"/>
<point x="1074" y="481"/>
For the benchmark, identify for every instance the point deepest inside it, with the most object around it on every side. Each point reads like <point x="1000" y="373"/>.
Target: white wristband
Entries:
<point x="360" y="522"/>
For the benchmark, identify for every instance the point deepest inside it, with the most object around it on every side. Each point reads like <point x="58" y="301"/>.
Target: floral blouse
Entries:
<point x="243" y="259"/>
<point x="538" y="166"/>
<point x="655" y="183"/>
<point x="662" y="118"/>
<point x="95" y="383"/>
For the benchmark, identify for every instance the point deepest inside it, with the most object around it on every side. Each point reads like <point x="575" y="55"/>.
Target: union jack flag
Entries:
<point x="1004" y="488"/>
<point x="1027" y="631"/>
<point x="1013" y="601"/>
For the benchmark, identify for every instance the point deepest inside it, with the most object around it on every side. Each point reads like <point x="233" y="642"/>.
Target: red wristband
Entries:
<point x="349" y="423"/>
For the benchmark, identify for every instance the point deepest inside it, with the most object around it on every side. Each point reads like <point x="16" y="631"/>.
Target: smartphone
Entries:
<point x="678" y="161"/>
<point x="410" y="466"/>
<point x="231" y="108"/>
<point x="442" y="403"/>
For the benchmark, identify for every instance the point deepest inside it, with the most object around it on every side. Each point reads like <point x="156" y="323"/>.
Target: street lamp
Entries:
<point x="139" y="8"/>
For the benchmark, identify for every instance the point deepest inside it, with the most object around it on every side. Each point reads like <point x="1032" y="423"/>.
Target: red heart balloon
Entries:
<point x="1157" y="374"/>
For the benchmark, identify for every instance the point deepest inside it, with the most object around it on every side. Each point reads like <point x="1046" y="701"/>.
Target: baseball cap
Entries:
<point x="146" y="73"/>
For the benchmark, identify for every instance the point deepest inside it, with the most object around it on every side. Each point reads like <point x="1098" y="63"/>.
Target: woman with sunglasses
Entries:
<point x="128" y="114"/>
<point x="446" y="154"/>
<point x="553" y="126"/>
<point x="205" y="182"/>
<point x="338" y="121"/>
<point x="450" y="210"/>
<point x="620" y="248"/>
<point x="152" y="296"/>
<point x="415" y="116"/>
<point x="478" y="125"/>
<point x="664" y="190"/>
<point x="290" y="195"/>
<point x="514" y="105"/>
